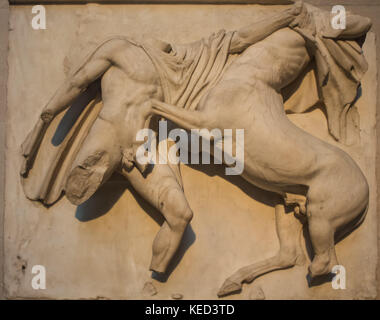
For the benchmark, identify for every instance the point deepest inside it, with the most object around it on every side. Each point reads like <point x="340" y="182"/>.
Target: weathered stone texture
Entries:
<point x="110" y="237"/>
<point x="4" y="12"/>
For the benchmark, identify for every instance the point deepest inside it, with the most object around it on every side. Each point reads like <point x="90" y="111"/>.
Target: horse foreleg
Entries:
<point x="290" y="253"/>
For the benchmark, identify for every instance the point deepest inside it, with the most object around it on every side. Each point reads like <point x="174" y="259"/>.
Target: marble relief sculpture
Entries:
<point x="292" y="60"/>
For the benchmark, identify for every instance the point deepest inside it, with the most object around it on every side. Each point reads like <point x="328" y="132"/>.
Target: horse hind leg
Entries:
<point x="290" y="253"/>
<point x="337" y="215"/>
<point x="322" y="238"/>
<point x="325" y="233"/>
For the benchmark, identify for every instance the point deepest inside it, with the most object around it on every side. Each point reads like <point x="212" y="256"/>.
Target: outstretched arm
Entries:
<point x="261" y="29"/>
<point x="94" y="67"/>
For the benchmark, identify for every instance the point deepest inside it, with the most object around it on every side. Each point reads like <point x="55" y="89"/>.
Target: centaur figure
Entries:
<point x="229" y="80"/>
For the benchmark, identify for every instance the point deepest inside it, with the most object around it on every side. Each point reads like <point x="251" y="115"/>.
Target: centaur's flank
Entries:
<point x="321" y="181"/>
<point x="317" y="179"/>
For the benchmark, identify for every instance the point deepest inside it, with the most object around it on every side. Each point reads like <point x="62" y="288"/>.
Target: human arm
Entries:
<point x="264" y="27"/>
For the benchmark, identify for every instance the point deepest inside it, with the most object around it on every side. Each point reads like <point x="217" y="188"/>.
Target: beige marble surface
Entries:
<point x="103" y="248"/>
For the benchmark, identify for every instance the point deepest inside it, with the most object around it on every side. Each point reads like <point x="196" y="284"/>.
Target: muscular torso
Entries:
<point x="127" y="88"/>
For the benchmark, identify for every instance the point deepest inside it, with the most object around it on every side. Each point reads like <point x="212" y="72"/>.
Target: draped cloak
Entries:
<point x="334" y="78"/>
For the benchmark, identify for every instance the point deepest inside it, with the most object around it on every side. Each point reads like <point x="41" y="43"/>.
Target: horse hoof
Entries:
<point x="229" y="287"/>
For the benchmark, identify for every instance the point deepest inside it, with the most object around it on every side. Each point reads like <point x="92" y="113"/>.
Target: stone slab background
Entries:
<point x="4" y="13"/>
<point x="34" y="225"/>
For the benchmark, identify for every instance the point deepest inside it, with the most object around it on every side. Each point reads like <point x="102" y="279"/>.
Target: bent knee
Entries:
<point x="175" y="208"/>
<point x="179" y="219"/>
